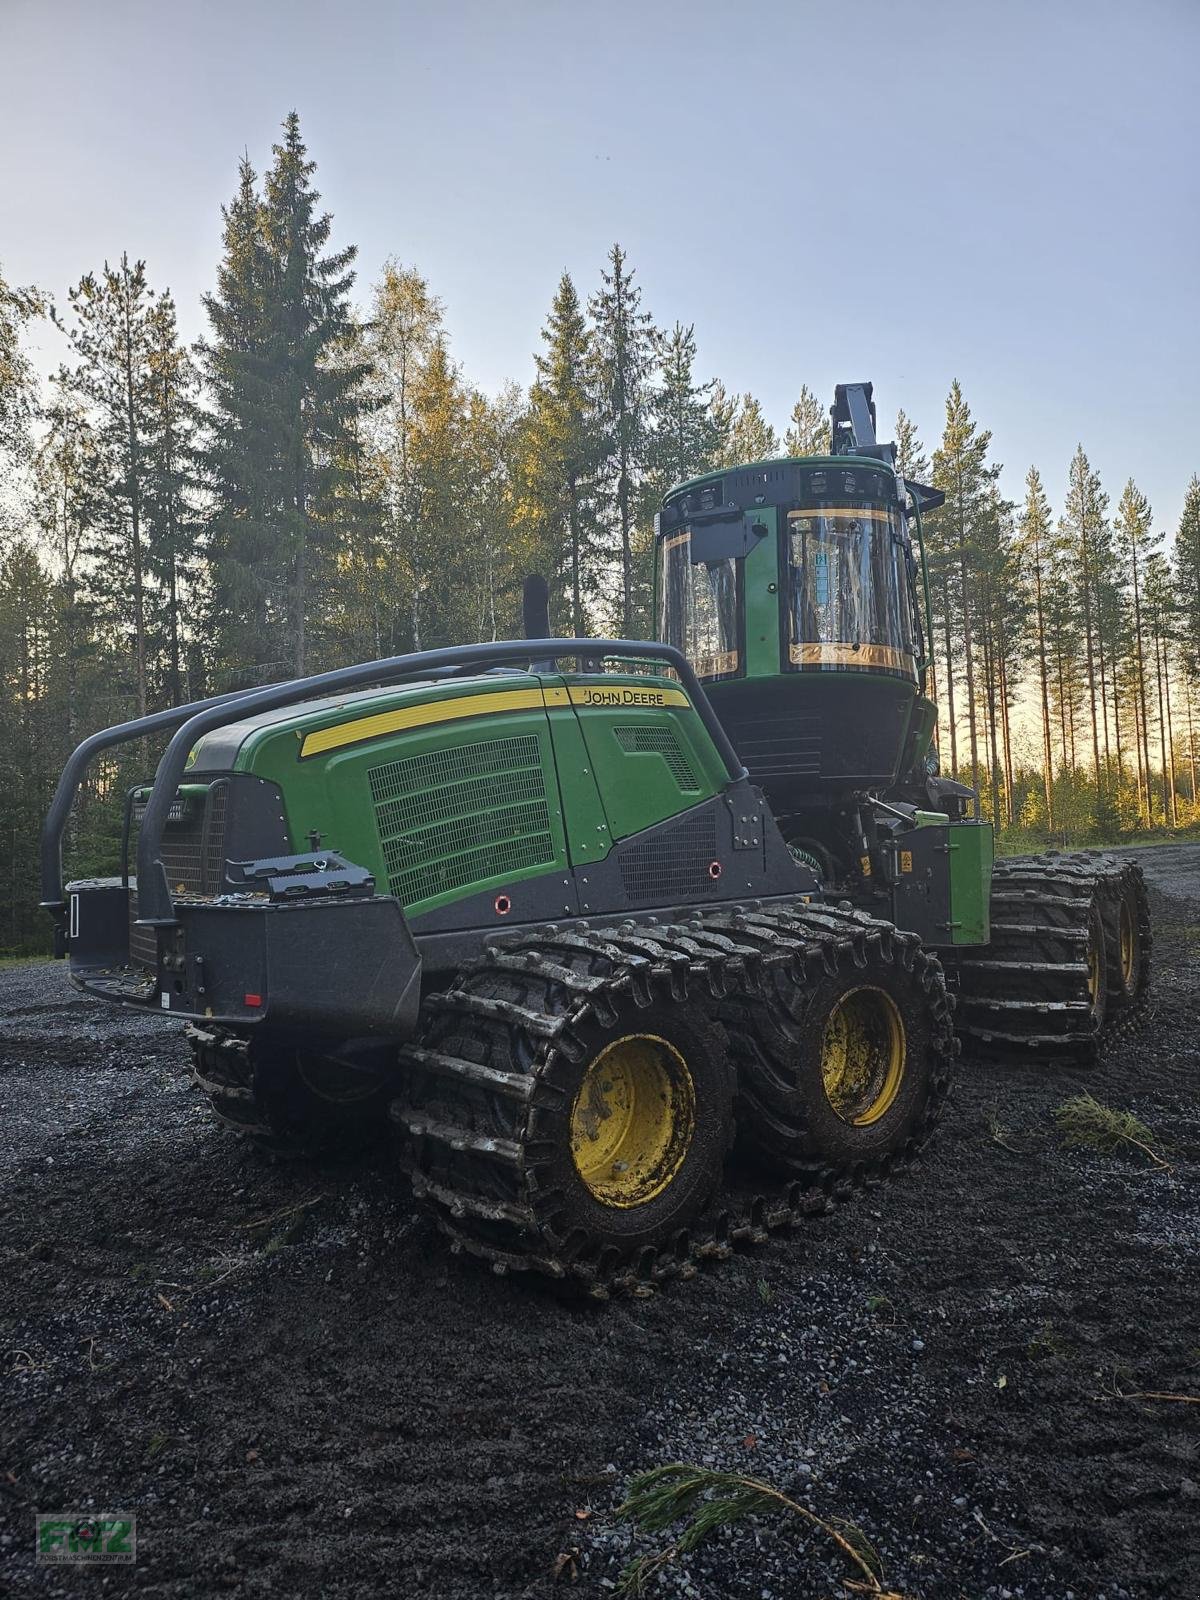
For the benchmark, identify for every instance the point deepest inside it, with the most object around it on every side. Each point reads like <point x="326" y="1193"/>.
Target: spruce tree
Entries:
<point x="18" y="389"/>
<point x="172" y="555"/>
<point x="559" y="455"/>
<point x="808" y="430"/>
<point x="684" y="432"/>
<point x="436" y="547"/>
<point x="750" y="437"/>
<point x="239" y="454"/>
<point x="285" y="409"/>
<point x="911" y="458"/>
<point x="622" y="353"/>
<point x="722" y="411"/>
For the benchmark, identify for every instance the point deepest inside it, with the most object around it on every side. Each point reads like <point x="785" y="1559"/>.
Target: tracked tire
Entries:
<point x="286" y="1102"/>
<point x="1052" y="987"/>
<point x="493" y="1079"/>
<point x="790" y="1119"/>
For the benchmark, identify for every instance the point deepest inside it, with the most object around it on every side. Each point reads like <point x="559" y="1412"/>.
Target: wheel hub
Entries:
<point x="863" y="1054"/>
<point x="633" y="1120"/>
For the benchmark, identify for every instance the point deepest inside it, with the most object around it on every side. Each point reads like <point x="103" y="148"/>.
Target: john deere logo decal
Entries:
<point x="626" y="697"/>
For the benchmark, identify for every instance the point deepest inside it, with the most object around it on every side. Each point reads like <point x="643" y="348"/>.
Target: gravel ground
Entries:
<point x="297" y="1390"/>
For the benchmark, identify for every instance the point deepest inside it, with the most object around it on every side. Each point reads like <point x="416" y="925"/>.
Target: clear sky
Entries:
<point x="1007" y="192"/>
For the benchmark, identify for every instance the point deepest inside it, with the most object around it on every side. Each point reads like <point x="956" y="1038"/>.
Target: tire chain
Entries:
<point x="541" y="987"/>
<point x="222" y="1068"/>
<point x="1065" y="884"/>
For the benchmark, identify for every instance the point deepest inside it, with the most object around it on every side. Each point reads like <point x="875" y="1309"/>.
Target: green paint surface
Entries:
<point x="760" y="585"/>
<point x="971" y="851"/>
<point x="446" y="809"/>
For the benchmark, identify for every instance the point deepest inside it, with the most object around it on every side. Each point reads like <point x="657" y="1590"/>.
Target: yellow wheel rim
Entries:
<point x="1128" y="945"/>
<point x="633" y="1120"/>
<point x="1093" y="965"/>
<point x="863" y="1054"/>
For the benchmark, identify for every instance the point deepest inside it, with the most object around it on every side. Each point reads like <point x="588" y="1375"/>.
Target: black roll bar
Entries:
<point x="192" y="722"/>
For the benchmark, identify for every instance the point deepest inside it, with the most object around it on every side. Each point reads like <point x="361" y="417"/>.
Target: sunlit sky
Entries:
<point x="906" y="192"/>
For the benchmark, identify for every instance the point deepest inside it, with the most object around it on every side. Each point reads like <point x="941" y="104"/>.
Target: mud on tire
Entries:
<point x="795" y="1116"/>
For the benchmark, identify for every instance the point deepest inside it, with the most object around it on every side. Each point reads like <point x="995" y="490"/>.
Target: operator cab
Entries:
<point x="792" y="587"/>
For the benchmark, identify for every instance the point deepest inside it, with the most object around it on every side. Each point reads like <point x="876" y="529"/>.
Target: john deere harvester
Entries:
<point x="646" y="947"/>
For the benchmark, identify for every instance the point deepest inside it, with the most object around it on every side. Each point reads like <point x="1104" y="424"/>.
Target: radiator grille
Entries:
<point x="457" y="817"/>
<point x="673" y="862"/>
<point x="647" y="739"/>
<point x="193" y="853"/>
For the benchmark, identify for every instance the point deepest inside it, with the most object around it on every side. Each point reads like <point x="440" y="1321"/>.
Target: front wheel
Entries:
<point x="580" y="1140"/>
<point x="292" y="1103"/>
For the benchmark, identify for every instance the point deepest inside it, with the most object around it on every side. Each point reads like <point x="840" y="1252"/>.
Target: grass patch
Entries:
<point x="705" y="1500"/>
<point x="1086" y="1123"/>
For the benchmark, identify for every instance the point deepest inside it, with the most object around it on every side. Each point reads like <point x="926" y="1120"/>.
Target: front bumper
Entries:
<point x="342" y="967"/>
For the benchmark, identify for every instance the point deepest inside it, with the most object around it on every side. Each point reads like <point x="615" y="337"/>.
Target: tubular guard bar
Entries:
<point x="193" y="721"/>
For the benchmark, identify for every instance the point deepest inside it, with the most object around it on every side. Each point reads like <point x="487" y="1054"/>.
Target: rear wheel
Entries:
<point x="843" y="1071"/>
<point x="1070" y="951"/>
<point x="1127" y="932"/>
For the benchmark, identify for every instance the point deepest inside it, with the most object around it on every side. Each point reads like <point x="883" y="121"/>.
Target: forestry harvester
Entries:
<point x="646" y="947"/>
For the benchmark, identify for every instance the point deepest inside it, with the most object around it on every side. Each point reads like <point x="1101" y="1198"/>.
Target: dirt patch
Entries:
<point x="297" y="1390"/>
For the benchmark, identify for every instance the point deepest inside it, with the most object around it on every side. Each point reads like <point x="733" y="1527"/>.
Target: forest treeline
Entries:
<point x="318" y="481"/>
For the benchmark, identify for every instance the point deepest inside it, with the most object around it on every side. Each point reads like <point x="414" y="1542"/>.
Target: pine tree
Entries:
<point x="1136" y="544"/>
<point x="1162" y="624"/>
<point x="808" y="431"/>
<point x="1036" y="550"/>
<point x="1085" y="525"/>
<point x="18" y="389"/>
<point x="622" y="353"/>
<point x="1187" y="577"/>
<point x="559" y="455"/>
<point x="71" y="490"/>
<point x="957" y="535"/>
<point x="112" y="338"/>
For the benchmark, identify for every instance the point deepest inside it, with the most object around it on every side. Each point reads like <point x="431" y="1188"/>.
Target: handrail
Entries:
<point x="192" y="722"/>
<point x="72" y="776"/>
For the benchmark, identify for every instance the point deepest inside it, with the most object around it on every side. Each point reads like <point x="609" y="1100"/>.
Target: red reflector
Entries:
<point x="254" y="1000"/>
